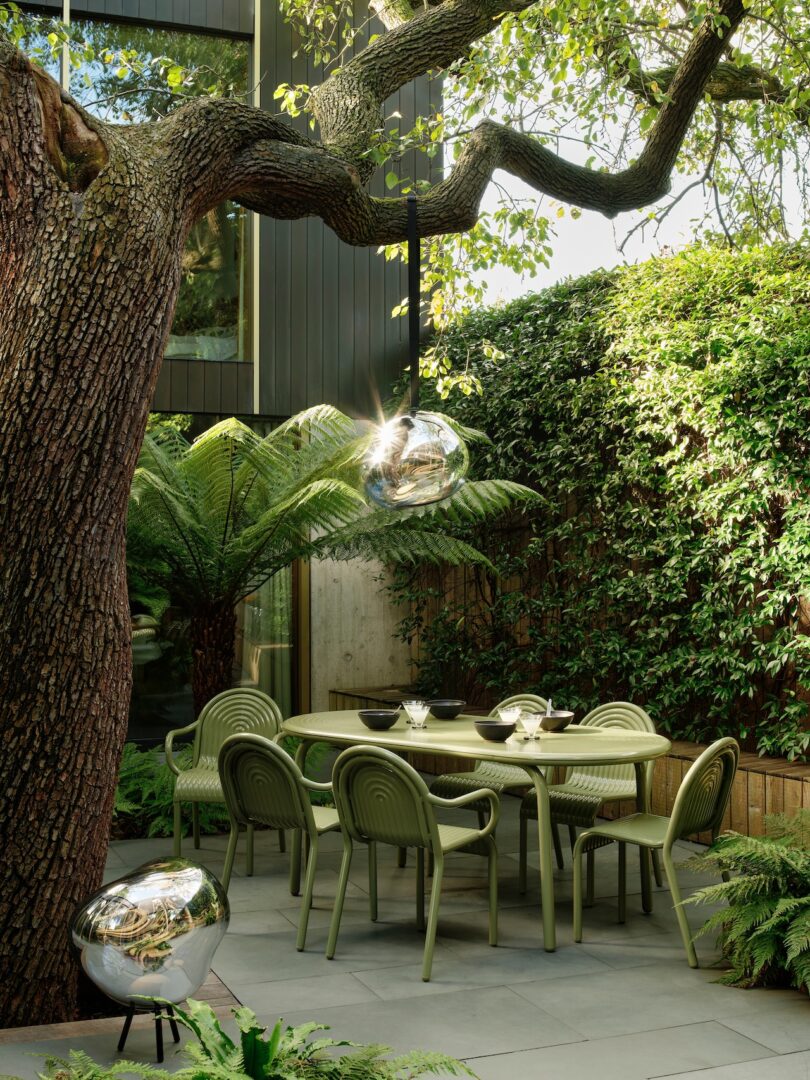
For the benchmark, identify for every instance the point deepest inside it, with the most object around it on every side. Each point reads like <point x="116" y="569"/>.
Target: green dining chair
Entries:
<point x="699" y="807"/>
<point x="262" y="785"/>
<point x="586" y="788"/>
<point x="233" y="711"/>
<point x="490" y="774"/>
<point x="381" y="799"/>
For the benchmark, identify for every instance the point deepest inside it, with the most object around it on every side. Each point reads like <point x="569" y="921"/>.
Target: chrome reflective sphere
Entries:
<point x="415" y="459"/>
<point x="153" y="932"/>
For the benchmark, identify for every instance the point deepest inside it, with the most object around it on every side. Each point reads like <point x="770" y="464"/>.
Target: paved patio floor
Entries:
<point x="623" y="1004"/>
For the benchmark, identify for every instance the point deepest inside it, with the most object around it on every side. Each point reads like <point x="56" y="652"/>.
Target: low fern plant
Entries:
<point x="764" y="924"/>
<point x="143" y="797"/>
<point x="290" y="1053"/>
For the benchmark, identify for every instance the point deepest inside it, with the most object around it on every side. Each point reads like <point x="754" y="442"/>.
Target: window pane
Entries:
<point x="211" y="321"/>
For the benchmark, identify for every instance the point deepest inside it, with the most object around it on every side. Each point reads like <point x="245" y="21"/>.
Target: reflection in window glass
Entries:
<point x="266" y="619"/>
<point x="129" y="82"/>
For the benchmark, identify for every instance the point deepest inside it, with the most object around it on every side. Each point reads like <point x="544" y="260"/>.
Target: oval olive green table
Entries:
<point x="575" y="746"/>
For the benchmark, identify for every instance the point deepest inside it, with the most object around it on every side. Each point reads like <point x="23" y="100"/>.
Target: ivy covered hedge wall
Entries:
<point x="663" y="413"/>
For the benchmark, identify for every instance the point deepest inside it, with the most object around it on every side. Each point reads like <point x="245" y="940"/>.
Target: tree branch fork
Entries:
<point x="221" y="149"/>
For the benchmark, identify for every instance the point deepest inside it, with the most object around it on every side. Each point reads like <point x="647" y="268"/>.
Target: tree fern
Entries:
<point x="764" y="927"/>
<point x="211" y="521"/>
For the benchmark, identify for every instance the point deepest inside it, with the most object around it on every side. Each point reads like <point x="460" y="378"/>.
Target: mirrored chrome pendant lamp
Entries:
<point x="415" y="458"/>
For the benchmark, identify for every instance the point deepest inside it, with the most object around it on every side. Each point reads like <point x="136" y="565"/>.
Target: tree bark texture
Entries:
<point x="92" y="224"/>
<point x="213" y="648"/>
<point x="87" y="281"/>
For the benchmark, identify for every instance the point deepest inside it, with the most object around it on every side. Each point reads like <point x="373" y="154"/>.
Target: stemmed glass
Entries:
<point x="417" y="712"/>
<point x="510" y="714"/>
<point x="530" y="722"/>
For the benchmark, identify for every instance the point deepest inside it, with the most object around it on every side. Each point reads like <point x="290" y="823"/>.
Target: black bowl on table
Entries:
<point x="446" y="708"/>
<point x="558" y="720"/>
<point x="379" y="719"/>
<point x="495" y="730"/>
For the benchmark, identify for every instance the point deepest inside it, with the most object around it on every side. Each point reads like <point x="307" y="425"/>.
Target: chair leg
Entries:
<point x="591" y="875"/>
<point x="402" y="857"/>
<point x="372" y="880"/>
<point x="295" y="863"/>
<point x="340" y="896"/>
<point x="433" y="914"/>
<point x="572" y="837"/>
<point x="622" y="882"/>
<point x="523" y="856"/>
<point x="555" y="836"/>
<point x="680" y="914"/>
<point x="178" y="827"/>
<point x="492" y="873"/>
<point x="577" y="857"/>
<point x="306" y="903"/>
<point x="195" y="822"/>
<point x="249" y="868"/>
<point x="645" y="859"/>
<point x="420" y="889"/>
<point x="656" y="865"/>
<point x="282" y="841"/>
<point x="230" y="854"/>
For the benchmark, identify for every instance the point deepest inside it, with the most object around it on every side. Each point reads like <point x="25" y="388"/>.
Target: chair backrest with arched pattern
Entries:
<point x="381" y="797"/>
<point x="262" y="784"/>
<point x="232" y="712"/>
<point x="618" y="780"/>
<point x="527" y="702"/>
<point x="704" y="792"/>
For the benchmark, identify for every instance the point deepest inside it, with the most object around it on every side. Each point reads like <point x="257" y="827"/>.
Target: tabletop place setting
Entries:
<point x="532" y="725"/>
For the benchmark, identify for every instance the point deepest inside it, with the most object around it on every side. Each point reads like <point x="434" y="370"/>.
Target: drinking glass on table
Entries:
<point x="417" y="713"/>
<point x="530" y="722"/>
<point x="510" y="714"/>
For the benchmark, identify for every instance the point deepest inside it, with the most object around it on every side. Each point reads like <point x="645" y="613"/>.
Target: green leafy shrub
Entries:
<point x="764" y="926"/>
<point x="662" y="414"/>
<point x="143" y="797"/>
<point x="289" y="1054"/>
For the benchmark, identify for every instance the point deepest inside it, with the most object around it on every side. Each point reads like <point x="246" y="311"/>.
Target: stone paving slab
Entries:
<point x="623" y="1004"/>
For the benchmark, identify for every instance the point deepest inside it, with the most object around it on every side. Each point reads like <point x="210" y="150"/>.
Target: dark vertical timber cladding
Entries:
<point x="229" y="387"/>
<point x="162" y="401"/>
<point x="314" y="302"/>
<point x="213" y="14"/>
<point x="212" y="386"/>
<point x="196" y="385"/>
<point x="244" y="388"/>
<point x="178" y="371"/>
<point x="223" y="16"/>
<point x="340" y="344"/>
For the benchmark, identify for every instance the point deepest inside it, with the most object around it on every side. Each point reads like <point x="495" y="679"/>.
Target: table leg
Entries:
<point x="301" y="752"/>
<point x="546" y="867"/>
<point x="642" y="805"/>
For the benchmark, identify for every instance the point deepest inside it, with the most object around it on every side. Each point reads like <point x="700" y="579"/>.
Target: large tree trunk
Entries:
<point x="213" y="649"/>
<point x="87" y="279"/>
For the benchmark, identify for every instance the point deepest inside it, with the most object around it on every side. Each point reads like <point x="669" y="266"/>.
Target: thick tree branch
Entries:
<point x="291" y="181"/>
<point x="347" y="106"/>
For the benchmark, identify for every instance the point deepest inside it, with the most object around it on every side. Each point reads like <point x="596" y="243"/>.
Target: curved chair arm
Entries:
<point x="316" y="785"/>
<point x="167" y="745"/>
<point x="474" y="796"/>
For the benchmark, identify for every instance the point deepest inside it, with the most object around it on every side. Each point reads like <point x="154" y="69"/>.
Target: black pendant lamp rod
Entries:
<point x="413" y="301"/>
